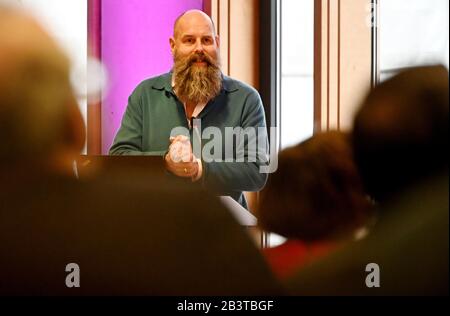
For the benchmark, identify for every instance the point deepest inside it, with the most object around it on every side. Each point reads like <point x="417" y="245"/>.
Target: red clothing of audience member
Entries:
<point x="315" y="200"/>
<point x="290" y="256"/>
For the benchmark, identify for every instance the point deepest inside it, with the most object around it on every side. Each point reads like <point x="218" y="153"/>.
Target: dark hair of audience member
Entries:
<point x="316" y="193"/>
<point x="401" y="132"/>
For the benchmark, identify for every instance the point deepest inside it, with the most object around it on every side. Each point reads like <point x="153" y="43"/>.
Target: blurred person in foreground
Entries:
<point x="315" y="199"/>
<point x="42" y="128"/>
<point x="111" y="236"/>
<point x="400" y="141"/>
<point x="168" y="113"/>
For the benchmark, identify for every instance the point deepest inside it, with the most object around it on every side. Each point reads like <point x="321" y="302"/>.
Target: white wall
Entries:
<point x="297" y="62"/>
<point x="412" y="33"/>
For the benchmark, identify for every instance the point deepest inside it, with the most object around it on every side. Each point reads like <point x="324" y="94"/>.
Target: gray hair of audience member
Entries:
<point x="400" y="133"/>
<point x="38" y="111"/>
<point x="316" y="193"/>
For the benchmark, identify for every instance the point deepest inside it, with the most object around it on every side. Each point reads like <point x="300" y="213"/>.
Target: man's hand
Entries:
<point x="180" y="160"/>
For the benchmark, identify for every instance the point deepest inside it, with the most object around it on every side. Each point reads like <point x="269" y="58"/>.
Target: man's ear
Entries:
<point x="172" y="44"/>
<point x="218" y="41"/>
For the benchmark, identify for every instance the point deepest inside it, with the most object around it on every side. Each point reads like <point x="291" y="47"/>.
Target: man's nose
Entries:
<point x="199" y="46"/>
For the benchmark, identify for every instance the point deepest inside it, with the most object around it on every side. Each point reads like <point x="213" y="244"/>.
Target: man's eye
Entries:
<point x="207" y="41"/>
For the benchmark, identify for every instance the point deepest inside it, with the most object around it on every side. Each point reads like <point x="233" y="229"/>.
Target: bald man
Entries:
<point x="208" y="127"/>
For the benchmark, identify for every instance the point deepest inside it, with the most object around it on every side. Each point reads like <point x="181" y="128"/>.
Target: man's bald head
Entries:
<point x="192" y="16"/>
<point x="36" y="100"/>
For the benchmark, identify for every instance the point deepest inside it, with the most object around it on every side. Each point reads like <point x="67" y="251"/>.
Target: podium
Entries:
<point x="87" y="167"/>
<point x="243" y="216"/>
<point x="246" y="219"/>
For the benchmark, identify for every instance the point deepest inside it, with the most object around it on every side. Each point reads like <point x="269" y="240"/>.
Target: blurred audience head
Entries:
<point x="401" y="131"/>
<point x="39" y="117"/>
<point x="316" y="193"/>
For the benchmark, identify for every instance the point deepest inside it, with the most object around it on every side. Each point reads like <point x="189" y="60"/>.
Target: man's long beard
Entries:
<point x="196" y="84"/>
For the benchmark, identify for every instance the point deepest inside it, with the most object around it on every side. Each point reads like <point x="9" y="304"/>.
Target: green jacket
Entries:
<point x="153" y="111"/>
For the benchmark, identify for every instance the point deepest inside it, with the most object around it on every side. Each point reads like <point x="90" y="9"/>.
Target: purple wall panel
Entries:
<point x="135" y="46"/>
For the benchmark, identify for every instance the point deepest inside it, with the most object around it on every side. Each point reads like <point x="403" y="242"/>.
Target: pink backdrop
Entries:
<point x="135" y="46"/>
